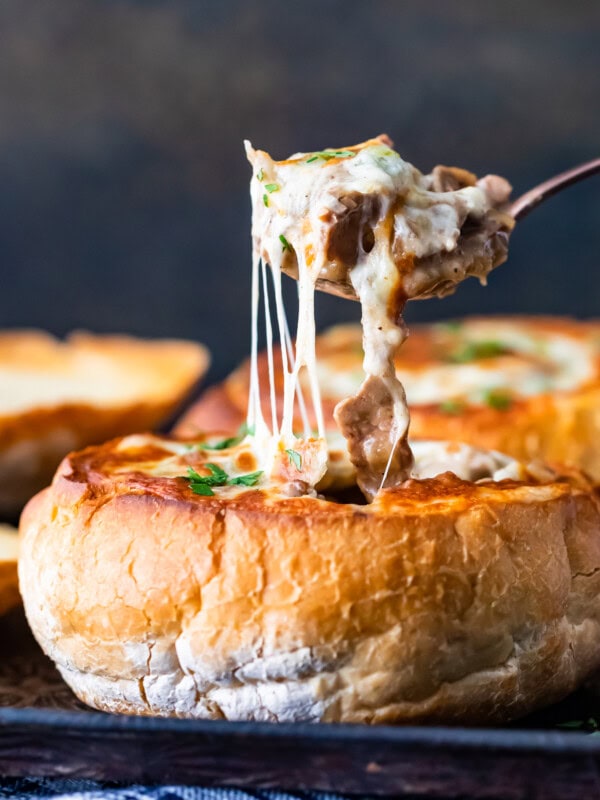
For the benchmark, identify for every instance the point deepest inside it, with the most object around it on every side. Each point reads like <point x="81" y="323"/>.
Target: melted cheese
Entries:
<point x="536" y="362"/>
<point x="296" y="207"/>
<point x="466" y="462"/>
<point x="159" y="457"/>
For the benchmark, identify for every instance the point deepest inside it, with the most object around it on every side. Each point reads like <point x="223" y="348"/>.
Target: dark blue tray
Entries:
<point x="44" y="731"/>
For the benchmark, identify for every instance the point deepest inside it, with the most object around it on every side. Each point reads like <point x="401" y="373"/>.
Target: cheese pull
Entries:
<point x="364" y="223"/>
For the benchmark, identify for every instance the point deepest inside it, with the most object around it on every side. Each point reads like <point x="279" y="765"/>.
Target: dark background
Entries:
<point x="123" y="184"/>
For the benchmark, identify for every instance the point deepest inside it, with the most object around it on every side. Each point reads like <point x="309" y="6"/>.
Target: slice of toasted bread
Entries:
<point x="9" y="585"/>
<point x="57" y="396"/>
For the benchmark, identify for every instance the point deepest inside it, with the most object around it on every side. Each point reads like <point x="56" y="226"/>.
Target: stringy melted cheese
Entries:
<point x="300" y="207"/>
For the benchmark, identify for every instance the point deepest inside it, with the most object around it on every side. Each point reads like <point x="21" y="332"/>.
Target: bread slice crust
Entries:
<point x="60" y="396"/>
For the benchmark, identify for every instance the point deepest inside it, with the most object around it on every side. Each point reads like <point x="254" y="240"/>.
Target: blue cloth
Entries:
<point x="38" y="788"/>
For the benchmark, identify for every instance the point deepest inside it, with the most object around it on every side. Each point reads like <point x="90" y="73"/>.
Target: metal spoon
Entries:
<point x="518" y="209"/>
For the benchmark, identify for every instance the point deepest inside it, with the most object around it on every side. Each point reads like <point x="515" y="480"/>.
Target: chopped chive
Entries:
<point x="284" y="242"/>
<point x="450" y="325"/>
<point x="326" y="155"/>
<point x="498" y="399"/>
<point x="295" y="458"/>
<point x="473" y="351"/>
<point x="452" y="407"/>
<point x="272" y="187"/>
<point x="266" y="200"/>
<point x="232" y="441"/>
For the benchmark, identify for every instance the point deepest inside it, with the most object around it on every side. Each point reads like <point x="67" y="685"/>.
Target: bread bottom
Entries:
<point x="551" y="663"/>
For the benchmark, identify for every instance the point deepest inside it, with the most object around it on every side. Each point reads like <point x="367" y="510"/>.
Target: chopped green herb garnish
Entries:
<point x="499" y="399"/>
<point x="251" y="479"/>
<point x="284" y="242"/>
<point x="201" y="488"/>
<point x="452" y="407"/>
<point x="224" y="444"/>
<point x="201" y="484"/>
<point x="195" y="477"/>
<point x="450" y="325"/>
<point x="472" y="351"/>
<point x="326" y="155"/>
<point x="295" y="458"/>
<point x="272" y="187"/>
<point x="260" y="174"/>
<point x="266" y="200"/>
<point x="232" y="441"/>
<point x="219" y="476"/>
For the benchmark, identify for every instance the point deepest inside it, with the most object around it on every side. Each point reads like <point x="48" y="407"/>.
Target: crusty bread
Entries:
<point x="442" y="600"/>
<point x="59" y="396"/>
<point x="9" y="585"/>
<point x="446" y="389"/>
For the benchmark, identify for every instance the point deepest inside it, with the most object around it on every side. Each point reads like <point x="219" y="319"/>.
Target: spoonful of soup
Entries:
<point x="438" y="229"/>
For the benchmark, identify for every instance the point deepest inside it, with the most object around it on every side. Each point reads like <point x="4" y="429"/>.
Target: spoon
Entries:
<point x="518" y="209"/>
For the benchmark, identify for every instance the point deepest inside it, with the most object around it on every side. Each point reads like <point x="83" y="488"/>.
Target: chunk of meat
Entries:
<point x="482" y="246"/>
<point x="370" y="423"/>
<point x="449" y="179"/>
<point x="497" y="189"/>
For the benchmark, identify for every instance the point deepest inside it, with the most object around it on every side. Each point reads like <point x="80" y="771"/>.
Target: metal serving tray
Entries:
<point x="45" y="731"/>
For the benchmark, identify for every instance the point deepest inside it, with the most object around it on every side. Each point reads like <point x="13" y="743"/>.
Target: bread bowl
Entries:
<point x="231" y="578"/>
<point x="443" y="600"/>
<point x="9" y="588"/>
<point x="527" y="386"/>
<point x="59" y="395"/>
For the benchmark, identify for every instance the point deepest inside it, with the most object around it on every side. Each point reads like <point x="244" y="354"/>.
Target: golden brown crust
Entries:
<point x="554" y="425"/>
<point x="139" y="384"/>
<point x="9" y="584"/>
<point x="441" y="601"/>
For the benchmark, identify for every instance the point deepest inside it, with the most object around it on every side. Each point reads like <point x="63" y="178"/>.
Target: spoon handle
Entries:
<point x="520" y="207"/>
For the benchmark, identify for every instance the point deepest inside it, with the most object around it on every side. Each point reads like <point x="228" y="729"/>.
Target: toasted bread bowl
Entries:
<point x="526" y="386"/>
<point x="443" y="600"/>
<point x="9" y="584"/>
<point x="58" y="396"/>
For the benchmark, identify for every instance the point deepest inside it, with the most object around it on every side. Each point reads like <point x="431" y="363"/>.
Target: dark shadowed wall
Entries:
<point x="123" y="185"/>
